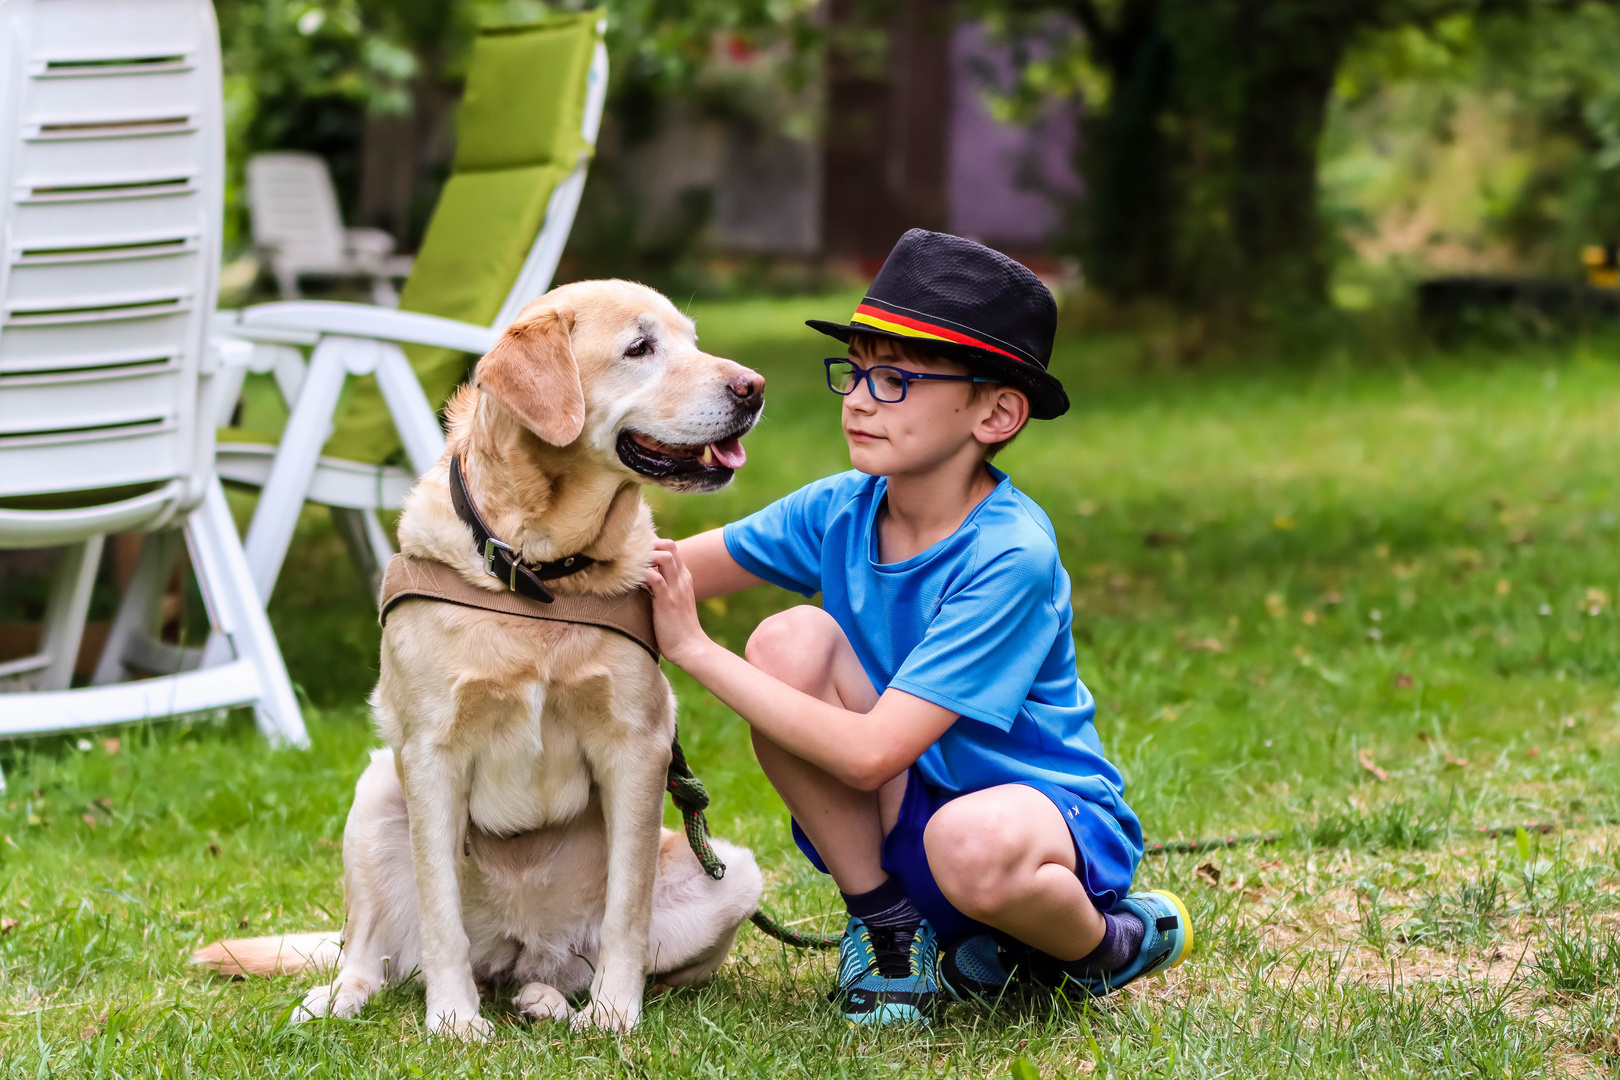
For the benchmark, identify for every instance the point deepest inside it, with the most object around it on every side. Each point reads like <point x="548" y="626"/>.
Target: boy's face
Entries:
<point x="937" y="421"/>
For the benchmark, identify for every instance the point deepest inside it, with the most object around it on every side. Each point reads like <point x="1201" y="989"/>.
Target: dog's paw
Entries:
<point x="541" y="1001"/>
<point x="450" y="1022"/>
<point x="329" y="1000"/>
<point x="606" y="1015"/>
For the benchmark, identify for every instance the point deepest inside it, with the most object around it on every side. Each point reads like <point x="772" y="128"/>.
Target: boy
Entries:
<point x="926" y="725"/>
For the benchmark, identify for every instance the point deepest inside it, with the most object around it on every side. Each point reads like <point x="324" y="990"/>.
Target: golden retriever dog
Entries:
<point x="510" y="832"/>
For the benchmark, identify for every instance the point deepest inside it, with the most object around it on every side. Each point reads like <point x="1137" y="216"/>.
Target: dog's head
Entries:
<point x="612" y="369"/>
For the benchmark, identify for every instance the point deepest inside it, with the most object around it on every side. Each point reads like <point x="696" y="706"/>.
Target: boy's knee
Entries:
<point x="974" y="856"/>
<point x="795" y="646"/>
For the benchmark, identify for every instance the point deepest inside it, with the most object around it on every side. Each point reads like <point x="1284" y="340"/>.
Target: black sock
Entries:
<point x="893" y="919"/>
<point x="886" y="907"/>
<point x="1122" y="939"/>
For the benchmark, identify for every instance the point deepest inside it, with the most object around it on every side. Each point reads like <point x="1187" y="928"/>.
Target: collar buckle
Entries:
<point x="491" y="546"/>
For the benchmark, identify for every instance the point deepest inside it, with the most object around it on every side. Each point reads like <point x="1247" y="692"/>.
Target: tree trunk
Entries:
<point x="886" y="141"/>
<point x="1201" y="166"/>
<point x="388" y="174"/>
<point x="1290" y="56"/>
<point x="1128" y="218"/>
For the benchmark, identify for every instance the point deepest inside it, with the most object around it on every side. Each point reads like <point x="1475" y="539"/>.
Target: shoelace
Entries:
<point x="891" y="949"/>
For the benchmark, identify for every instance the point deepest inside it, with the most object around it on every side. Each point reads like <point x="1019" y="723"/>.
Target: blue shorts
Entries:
<point x="1104" y="865"/>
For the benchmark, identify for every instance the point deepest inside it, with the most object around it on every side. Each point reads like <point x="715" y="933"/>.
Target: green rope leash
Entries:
<point x="788" y="937"/>
<point x="1193" y="847"/>
<point x="691" y="799"/>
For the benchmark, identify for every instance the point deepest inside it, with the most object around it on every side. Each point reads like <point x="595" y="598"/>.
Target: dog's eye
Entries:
<point x="640" y="347"/>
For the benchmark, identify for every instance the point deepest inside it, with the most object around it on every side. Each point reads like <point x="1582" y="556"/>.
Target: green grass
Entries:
<point x="1369" y="611"/>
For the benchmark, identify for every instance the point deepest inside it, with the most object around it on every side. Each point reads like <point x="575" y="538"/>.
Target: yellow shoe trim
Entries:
<point x="1186" y="920"/>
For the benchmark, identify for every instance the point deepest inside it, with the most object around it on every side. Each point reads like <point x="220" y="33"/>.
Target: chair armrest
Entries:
<point x="226" y="351"/>
<point x="398" y="266"/>
<point x="365" y="321"/>
<point x="372" y="243"/>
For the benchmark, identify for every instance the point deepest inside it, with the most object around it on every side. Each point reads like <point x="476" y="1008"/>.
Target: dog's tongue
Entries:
<point x="730" y="453"/>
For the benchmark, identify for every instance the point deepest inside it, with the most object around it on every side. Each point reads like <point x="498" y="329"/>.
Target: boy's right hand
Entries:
<point x="675" y="618"/>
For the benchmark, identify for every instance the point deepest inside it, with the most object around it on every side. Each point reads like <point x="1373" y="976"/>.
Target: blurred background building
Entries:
<point x="811" y="160"/>
<point x="910" y="143"/>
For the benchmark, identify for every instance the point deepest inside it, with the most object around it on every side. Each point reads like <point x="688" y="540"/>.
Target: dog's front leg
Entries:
<point x="435" y="783"/>
<point x="631" y="780"/>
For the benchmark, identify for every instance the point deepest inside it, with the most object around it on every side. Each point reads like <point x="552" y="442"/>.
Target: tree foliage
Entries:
<point x="1204" y="134"/>
<point x="302" y="75"/>
<point x="1200" y="145"/>
<point x="1479" y="144"/>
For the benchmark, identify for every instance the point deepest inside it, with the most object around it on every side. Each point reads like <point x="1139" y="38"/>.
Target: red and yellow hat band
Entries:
<point x="910" y="326"/>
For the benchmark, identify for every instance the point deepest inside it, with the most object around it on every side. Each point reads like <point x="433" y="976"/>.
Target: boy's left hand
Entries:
<point x="675" y="617"/>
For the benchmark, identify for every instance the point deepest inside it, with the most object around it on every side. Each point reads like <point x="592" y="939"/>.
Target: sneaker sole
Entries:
<point x="884" y="1015"/>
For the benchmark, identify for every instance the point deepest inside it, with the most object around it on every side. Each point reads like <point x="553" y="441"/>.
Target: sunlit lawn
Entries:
<point x="1367" y="611"/>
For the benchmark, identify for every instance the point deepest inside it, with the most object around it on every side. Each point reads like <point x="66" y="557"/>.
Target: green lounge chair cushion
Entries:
<point x="534" y="72"/>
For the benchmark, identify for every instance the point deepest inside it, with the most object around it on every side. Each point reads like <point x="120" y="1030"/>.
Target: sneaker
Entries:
<point x="878" y="985"/>
<point x="1168" y="936"/>
<point x="980" y="966"/>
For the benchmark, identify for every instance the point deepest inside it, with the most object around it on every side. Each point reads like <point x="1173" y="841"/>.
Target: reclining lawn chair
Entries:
<point x="111" y="155"/>
<point x="368" y="394"/>
<point x="298" y="230"/>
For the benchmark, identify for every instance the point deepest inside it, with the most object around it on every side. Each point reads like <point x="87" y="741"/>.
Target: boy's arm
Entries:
<point x="864" y="750"/>
<point x="714" y="571"/>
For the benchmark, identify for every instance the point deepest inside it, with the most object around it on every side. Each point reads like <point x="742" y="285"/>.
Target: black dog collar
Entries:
<point x="500" y="561"/>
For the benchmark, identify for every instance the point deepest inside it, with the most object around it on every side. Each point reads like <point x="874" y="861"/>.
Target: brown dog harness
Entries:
<point x="407" y="578"/>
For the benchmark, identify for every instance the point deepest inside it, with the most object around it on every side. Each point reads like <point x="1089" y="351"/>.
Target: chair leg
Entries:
<point x="229" y="389"/>
<point x="383" y="293"/>
<point x="287" y="283"/>
<point x="369" y="544"/>
<point x="287" y="366"/>
<point x="243" y="630"/>
<point x="138" y="610"/>
<point x="283" y="495"/>
<point x="413" y="416"/>
<point x="64" y="618"/>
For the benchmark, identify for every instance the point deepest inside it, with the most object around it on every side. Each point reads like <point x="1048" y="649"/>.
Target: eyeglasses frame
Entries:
<point x="865" y="374"/>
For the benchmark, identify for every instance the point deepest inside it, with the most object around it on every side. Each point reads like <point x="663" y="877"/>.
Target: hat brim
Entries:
<point x="1047" y="399"/>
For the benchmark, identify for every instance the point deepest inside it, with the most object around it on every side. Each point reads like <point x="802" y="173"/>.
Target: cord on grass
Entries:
<point x="1219" y="843"/>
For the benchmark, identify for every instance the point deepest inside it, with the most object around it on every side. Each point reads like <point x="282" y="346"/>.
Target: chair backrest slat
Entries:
<point x="111" y="157"/>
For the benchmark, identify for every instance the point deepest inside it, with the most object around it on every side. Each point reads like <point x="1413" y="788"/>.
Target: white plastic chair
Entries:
<point x="111" y="155"/>
<point x="299" y="231"/>
<point x="357" y="339"/>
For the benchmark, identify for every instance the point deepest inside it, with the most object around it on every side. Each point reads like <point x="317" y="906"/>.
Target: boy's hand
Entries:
<point x="675" y="618"/>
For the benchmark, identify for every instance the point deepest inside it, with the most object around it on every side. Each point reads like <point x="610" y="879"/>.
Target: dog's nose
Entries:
<point x="747" y="387"/>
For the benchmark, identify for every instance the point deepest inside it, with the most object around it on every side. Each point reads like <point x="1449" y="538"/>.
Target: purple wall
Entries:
<point x="1006" y="183"/>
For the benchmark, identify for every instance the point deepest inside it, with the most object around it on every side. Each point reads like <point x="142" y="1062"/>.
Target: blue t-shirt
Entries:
<point x="979" y="623"/>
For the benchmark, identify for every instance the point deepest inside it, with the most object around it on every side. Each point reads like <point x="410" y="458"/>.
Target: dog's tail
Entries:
<point x="283" y="954"/>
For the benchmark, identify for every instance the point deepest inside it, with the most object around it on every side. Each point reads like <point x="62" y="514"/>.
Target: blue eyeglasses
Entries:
<point x="886" y="384"/>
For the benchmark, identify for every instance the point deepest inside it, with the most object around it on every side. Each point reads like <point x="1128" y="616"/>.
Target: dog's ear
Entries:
<point x="531" y="370"/>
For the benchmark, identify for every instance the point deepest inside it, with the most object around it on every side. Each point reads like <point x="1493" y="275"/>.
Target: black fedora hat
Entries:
<point x="967" y="303"/>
